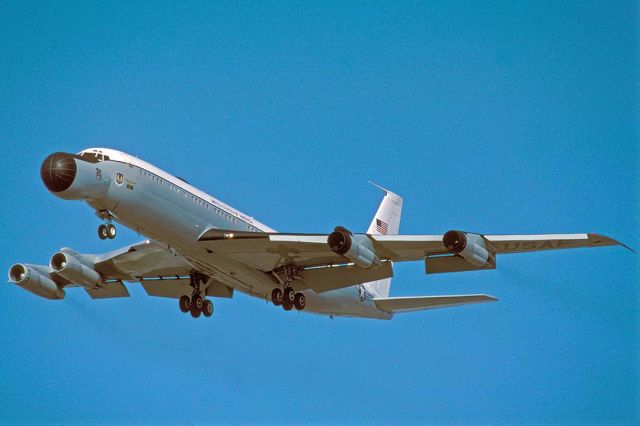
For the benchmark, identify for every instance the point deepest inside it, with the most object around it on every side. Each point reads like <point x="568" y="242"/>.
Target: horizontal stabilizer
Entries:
<point x="420" y="303"/>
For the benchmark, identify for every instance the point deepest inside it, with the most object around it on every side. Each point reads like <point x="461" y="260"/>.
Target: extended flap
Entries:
<point x="108" y="290"/>
<point x="452" y="263"/>
<point x="333" y="277"/>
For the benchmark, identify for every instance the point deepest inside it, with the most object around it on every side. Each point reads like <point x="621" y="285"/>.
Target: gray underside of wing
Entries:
<point x="160" y="271"/>
<point x="145" y="259"/>
<point x="268" y="251"/>
<point x="420" y="303"/>
<point x="502" y="244"/>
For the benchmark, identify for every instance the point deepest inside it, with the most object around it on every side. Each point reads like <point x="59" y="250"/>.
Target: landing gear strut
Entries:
<point x="196" y="305"/>
<point x="287" y="297"/>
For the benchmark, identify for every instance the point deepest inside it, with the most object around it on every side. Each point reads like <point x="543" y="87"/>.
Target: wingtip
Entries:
<point x="612" y="241"/>
<point x="491" y="298"/>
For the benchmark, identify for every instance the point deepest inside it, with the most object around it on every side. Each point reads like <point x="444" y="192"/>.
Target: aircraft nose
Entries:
<point x="58" y="171"/>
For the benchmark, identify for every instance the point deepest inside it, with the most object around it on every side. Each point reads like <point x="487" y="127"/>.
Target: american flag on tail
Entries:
<point x="382" y="227"/>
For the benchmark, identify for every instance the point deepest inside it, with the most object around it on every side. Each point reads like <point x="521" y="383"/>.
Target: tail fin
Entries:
<point x="385" y="221"/>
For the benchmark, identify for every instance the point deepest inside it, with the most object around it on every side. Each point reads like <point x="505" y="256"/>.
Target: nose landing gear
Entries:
<point x="107" y="231"/>
<point x="196" y="305"/>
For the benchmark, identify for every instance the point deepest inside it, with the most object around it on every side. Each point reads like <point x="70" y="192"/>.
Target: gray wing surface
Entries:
<point x="503" y="244"/>
<point x="160" y="271"/>
<point x="144" y="259"/>
<point x="267" y="251"/>
<point x="421" y="303"/>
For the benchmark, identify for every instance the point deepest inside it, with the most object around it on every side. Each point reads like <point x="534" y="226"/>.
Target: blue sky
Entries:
<point x="499" y="118"/>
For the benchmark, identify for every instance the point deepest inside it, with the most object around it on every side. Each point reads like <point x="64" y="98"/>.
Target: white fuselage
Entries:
<point x="172" y="212"/>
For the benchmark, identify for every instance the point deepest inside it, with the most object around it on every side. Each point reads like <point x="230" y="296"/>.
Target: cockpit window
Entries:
<point x="89" y="157"/>
<point x="93" y="157"/>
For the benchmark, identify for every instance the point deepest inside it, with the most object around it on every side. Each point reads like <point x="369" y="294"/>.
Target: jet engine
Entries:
<point x="70" y="265"/>
<point x="30" y="279"/>
<point x="471" y="247"/>
<point x="356" y="248"/>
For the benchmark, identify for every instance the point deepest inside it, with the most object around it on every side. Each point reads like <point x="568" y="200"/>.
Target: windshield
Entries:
<point x="93" y="157"/>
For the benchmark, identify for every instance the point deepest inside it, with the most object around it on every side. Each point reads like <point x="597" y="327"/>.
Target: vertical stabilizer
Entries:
<point x="386" y="221"/>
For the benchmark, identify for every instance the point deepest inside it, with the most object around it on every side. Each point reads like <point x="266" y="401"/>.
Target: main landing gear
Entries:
<point x="196" y="304"/>
<point x="287" y="297"/>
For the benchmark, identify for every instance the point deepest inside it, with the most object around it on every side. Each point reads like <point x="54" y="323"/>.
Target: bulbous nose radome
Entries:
<point x="58" y="171"/>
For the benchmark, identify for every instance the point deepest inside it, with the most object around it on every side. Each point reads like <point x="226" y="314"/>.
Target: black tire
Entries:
<point x="111" y="231"/>
<point x="185" y="304"/>
<point x="289" y="295"/>
<point x="207" y="308"/>
<point x="287" y="306"/>
<point x="102" y="232"/>
<point x="195" y="312"/>
<point x="300" y="301"/>
<point x="197" y="302"/>
<point x="276" y="296"/>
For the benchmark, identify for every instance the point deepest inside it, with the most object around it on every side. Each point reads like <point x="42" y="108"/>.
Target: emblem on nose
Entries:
<point x="58" y="171"/>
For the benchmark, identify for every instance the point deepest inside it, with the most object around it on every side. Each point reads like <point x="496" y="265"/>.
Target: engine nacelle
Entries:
<point x="28" y="277"/>
<point x="357" y="248"/>
<point x="471" y="247"/>
<point x="69" y="264"/>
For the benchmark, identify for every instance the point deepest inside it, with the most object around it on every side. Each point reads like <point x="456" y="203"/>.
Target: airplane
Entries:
<point x="198" y="247"/>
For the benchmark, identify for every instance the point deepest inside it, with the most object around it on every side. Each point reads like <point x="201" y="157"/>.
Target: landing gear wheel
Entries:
<point x="276" y="296"/>
<point x="288" y="296"/>
<point x="197" y="301"/>
<point x="102" y="232"/>
<point x="287" y="305"/>
<point x="185" y="304"/>
<point x="207" y="308"/>
<point x="110" y="231"/>
<point x="300" y="301"/>
<point x="195" y="312"/>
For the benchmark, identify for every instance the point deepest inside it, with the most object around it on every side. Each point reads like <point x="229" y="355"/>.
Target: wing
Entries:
<point x="269" y="251"/>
